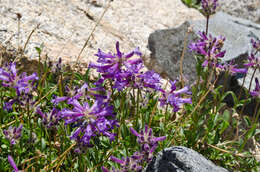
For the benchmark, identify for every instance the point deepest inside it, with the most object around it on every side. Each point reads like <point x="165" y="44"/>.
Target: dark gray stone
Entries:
<point x="181" y="159"/>
<point x="166" y="45"/>
<point x="166" y="49"/>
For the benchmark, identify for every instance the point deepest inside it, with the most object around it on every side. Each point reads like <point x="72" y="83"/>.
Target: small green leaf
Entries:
<point x="43" y="143"/>
<point x="247" y="120"/>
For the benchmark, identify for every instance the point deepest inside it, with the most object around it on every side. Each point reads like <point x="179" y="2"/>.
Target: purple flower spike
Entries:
<point x="256" y="44"/>
<point x="209" y="6"/>
<point x="12" y="163"/>
<point x="129" y="163"/>
<point x="147" y="141"/>
<point x="146" y="136"/>
<point x="51" y="119"/>
<point x="110" y="65"/>
<point x="13" y="134"/>
<point x="173" y="97"/>
<point x="148" y="144"/>
<point x="256" y="92"/>
<point x="253" y="61"/>
<point x="231" y="68"/>
<point x="21" y="83"/>
<point x="210" y="48"/>
<point x="91" y="121"/>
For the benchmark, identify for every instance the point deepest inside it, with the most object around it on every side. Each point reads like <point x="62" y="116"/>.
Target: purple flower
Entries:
<point x="129" y="163"/>
<point x="147" y="141"/>
<point x="173" y="97"/>
<point x="72" y="93"/>
<point x="91" y="121"/>
<point x="51" y="119"/>
<point x="256" y="44"/>
<point x="256" y="92"/>
<point x="209" y="6"/>
<point x="231" y="68"/>
<point x="98" y="92"/>
<point x="12" y="163"/>
<point x="135" y="162"/>
<point x="253" y="61"/>
<point x="13" y="134"/>
<point x="209" y="47"/>
<point x="21" y="83"/>
<point x="110" y="65"/>
<point x="151" y="79"/>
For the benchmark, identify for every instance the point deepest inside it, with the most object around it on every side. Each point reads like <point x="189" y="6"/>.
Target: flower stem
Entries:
<point x="207" y="25"/>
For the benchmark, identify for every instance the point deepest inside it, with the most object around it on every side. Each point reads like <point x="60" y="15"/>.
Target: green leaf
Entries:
<point x="43" y="143"/>
<point x="247" y="120"/>
<point x="250" y="133"/>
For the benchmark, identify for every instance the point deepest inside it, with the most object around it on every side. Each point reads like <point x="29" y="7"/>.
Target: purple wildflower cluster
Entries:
<point x="209" y="47"/>
<point x="209" y="6"/>
<point x="23" y="84"/>
<point x="13" y="134"/>
<point x="92" y="120"/>
<point x="127" y="72"/>
<point x="254" y="58"/>
<point x="173" y="97"/>
<point x="50" y="120"/>
<point x="90" y="114"/>
<point x="231" y="68"/>
<point x="148" y="143"/>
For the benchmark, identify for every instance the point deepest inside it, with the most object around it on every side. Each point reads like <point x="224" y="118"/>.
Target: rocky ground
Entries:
<point x="247" y="9"/>
<point x="64" y="26"/>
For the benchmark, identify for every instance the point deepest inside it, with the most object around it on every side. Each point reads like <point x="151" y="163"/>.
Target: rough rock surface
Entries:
<point x="166" y="45"/>
<point x="247" y="9"/>
<point x="181" y="159"/>
<point x="166" y="50"/>
<point x="64" y="26"/>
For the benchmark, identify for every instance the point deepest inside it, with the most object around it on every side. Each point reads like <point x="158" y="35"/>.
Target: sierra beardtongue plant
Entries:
<point x="148" y="143"/>
<point x="13" y="134"/>
<point x="90" y="120"/>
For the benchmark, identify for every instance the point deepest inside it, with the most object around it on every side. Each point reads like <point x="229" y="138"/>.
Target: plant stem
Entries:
<point x="207" y="25"/>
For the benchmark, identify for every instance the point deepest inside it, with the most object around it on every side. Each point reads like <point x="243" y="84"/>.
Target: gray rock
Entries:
<point x="181" y="159"/>
<point x="66" y="25"/>
<point x="166" y="48"/>
<point x="247" y="9"/>
<point x="166" y="45"/>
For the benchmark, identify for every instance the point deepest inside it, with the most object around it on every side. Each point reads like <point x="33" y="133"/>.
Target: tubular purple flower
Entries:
<point x="209" y="6"/>
<point x="21" y="83"/>
<point x="92" y="121"/>
<point x="51" y="119"/>
<point x="115" y="159"/>
<point x="209" y="47"/>
<point x="129" y="163"/>
<point x="13" y="134"/>
<point x="12" y="163"/>
<point x="256" y="91"/>
<point x="256" y="45"/>
<point x="173" y="97"/>
<point x="253" y="61"/>
<point x="104" y="169"/>
<point x="231" y="68"/>
<point x="109" y="64"/>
